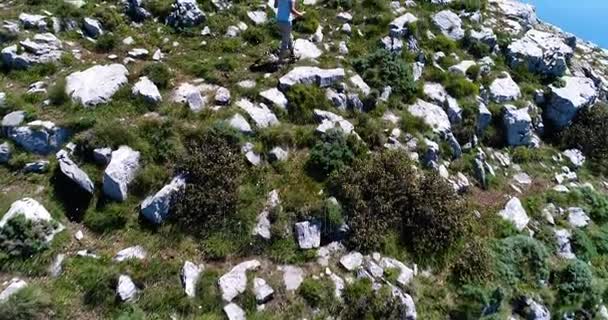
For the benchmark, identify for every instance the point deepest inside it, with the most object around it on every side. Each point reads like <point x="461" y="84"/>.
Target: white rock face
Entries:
<point x="564" y="248"/>
<point x="260" y="114"/>
<point x="185" y="13"/>
<point x="42" y="48"/>
<point x="32" y="21"/>
<point x="11" y="287"/>
<point x="29" y="208"/>
<point x="262" y="227"/>
<point x="311" y="75"/>
<point x="407" y="302"/>
<point x="147" y="90"/>
<point x="69" y="169"/>
<point x="257" y="17"/>
<point x="263" y="292"/>
<point x="120" y="172"/>
<point x="92" y="27"/>
<point x="462" y="67"/>
<point x="136" y="252"/>
<point x="234" y="312"/>
<point x="190" y="95"/>
<point x="239" y="123"/>
<point x="234" y="282"/>
<point x="156" y="208"/>
<point x="518" y="126"/>
<point x="352" y="261"/>
<point x="126" y="289"/>
<point x="360" y="84"/>
<point x="398" y="27"/>
<point x="577" y="217"/>
<point x="450" y="24"/>
<point x="331" y="120"/>
<point x="540" y="52"/>
<point x="306" y="49"/>
<point x="292" y="277"/>
<point x="97" y="84"/>
<point x="504" y="89"/>
<point x="275" y="97"/>
<point x="564" y="103"/>
<point x="189" y="276"/>
<point x="433" y="115"/>
<point x="56" y="268"/>
<point x="575" y="157"/>
<point x="406" y="274"/>
<point x="517" y="10"/>
<point x="39" y="137"/>
<point x="308" y="234"/>
<point x="515" y="213"/>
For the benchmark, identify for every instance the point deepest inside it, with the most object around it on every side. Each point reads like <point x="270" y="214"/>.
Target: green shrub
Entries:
<point x="160" y="8"/>
<point x="254" y="36"/>
<point x="583" y="245"/>
<point x="477" y="302"/>
<point x="343" y="4"/>
<point x="27" y="304"/>
<point x="384" y="193"/>
<point x="106" y="42"/>
<point x="158" y="73"/>
<point x="371" y="131"/>
<point x="308" y="23"/>
<point x="303" y="99"/>
<point x="459" y="87"/>
<point x="95" y="279"/>
<point x="383" y="68"/>
<point x="315" y="292"/>
<point x="22" y="238"/>
<point x="335" y="151"/>
<point x="574" y="282"/>
<point x="112" y="217"/>
<point x="213" y="165"/>
<point x="521" y="259"/>
<point x="473" y="264"/>
<point x="589" y="133"/>
<point x="361" y="302"/>
<point x="109" y="18"/>
<point x="226" y="64"/>
<point x="443" y="44"/>
<point x="57" y="94"/>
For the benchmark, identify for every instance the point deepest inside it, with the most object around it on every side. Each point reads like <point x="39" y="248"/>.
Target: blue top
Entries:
<point x="284" y="10"/>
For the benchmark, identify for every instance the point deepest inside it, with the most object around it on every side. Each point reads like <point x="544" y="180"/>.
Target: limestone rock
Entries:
<point x="126" y="289"/>
<point x="136" y="252"/>
<point x="70" y="170"/>
<point x="257" y="17"/>
<point x="275" y="97"/>
<point x="120" y="172"/>
<point x="518" y="126"/>
<point x="278" y="154"/>
<point x="575" y="157"/>
<point x="11" y="287"/>
<point x="311" y="75"/>
<point x="92" y="27"/>
<point x="156" y="208"/>
<point x="540" y="52"/>
<point x="565" y="102"/>
<point x="97" y="84"/>
<point x="504" y="89"/>
<point x="331" y="120"/>
<point x="433" y="115"/>
<point x="515" y="213"/>
<point x="262" y="227"/>
<point x="450" y="24"/>
<point x="147" y="90"/>
<point x="292" y="277"/>
<point x="31" y="210"/>
<point x="39" y="137"/>
<point x="234" y="312"/>
<point x="185" y="13"/>
<point x="135" y="9"/>
<point x="42" y="48"/>
<point x="239" y="123"/>
<point x="263" y="292"/>
<point x="5" y="152"/>
<point x="352" y="261"/>
<point x="306" y="49"/>
<point x="189" y="276"/>
<point x="234" y="282"/>
<point x="577" y="217"/>
<point x="564" y="248"/>
<point x="308" y="234"/>
<point x="260" y="114"/>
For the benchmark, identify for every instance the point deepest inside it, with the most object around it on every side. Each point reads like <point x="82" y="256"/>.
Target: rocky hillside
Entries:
<point x="422" y="159"/>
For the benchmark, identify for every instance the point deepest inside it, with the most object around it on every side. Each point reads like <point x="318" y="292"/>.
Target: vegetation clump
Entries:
<point x="383" y="68"/>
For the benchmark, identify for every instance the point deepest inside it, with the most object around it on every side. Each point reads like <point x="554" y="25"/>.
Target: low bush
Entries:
<point x="334" y="151"/>
<point x="110" y="218"/>
<point x="383" y="68"/>
<point x="383" y="193"/>
<point x="316" y="292"/>
<point x="308" y="23"/>
<point x="57" y="94"/>
<point x="254" y="36"/>
<point x="95" y="280"/>
<point x="521" y="259"/>
<point x="22" y="238"/>
<point x="362" y="302"/>
<point x="303" y="99"/>
<point x="474" y="264"/>
<point x="459" y="87"/>
<point x="106" y="42"/>
<point x="213" y="165"/>
<point x="158" y="73"/>
<point x="27" y="304"/>
<point x="575" y="282"/>
<point x="160" y="8"/>
<point x="469" y="5"/>
<point x="589" y="133"/>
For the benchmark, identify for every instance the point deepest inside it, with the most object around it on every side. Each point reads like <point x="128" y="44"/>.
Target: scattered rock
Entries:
<point x="504" y="89"/>
<point x="331" y="120"/>
<point x="156" y="208"/>
<point x="120" y="172"/>
<point x="515" y="213"/>
<point x="136" y="252"/>
<point x="126" y="289"/>
<point x="306" y="49"/>
<point x="575" y="157"/>
<point x="39" y="137"/>
<point x="11" y="287"/>
<point x="263" y="292"/>
<point x="257" y="17"/>
<point x="44" y="48"/>
<point x="185" y="13"/>
<point x="564" y="248"/>
<point x="540" y="52"/>
<point x="147" y="90"/>
<point x="260" y="114"/>
<point x="450" y="24"/>
<point x="262" y="227"/>
<point x="432" y="115"/>
<point x="92" y="27"/>
<point x="292" y="277"/>
<point x="234" y="312"/>
<point x="518" y="126"/>
<point x="278" y="154"/>
<point x="311" y="75"/>
<point x="189" y="276"/>
<point x="97" y="84"/>
<point x="56" y="268"/>
<point x="352" y="261"/>
<point x="5" y="152"/>
<point x="565" y="102"/>
<point x="234" y="282"/>
<point x="71" y="171"/>
<point x="577" y="217"/>
<point x="275" y="97"/>
<point x="308" y="234"/>
<point x="239" y="123"/>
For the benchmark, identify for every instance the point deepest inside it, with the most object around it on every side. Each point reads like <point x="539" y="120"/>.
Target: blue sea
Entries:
<point x="588" y="19"/>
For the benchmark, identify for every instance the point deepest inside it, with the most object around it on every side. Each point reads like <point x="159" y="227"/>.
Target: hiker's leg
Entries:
<point x="285" y="29"/>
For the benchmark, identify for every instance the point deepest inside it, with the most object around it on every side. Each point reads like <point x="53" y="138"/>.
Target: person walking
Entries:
<point x="285" y="8"/>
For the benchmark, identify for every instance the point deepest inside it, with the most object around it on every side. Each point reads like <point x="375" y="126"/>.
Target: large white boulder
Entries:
<point x="126" y="289"/>
<point x="234" y="312"/>
<point x="292" y="277"/>
<point x="11" y="287"/>
<point x="40" y="137"/>
<point x="352" y="261"/>
<point x="146" y="89"/>
<point x="565" y="102"/>
<point x="189" y="276"/>
<point x="42" y="48"/>
<point x="515" y="213"/>
<point x="434" y="116"/>
<point x="156" y="208"/>
<point x="234" y="282"/>
<point x="306" y="49"/>
<point x="71" y="171"/>
<point x="120" y="172"/>
<point x="518" y="126"/>
<point x="97" y="84"/>
<point x="450" y="24"/>
<point x="308" y="234"/>
<point x="518" y="10"/>
<point x="540" y="52"/>
<point x="31" y="210"/>
<point x="185" y="13"/>
<point x="504" y="89"/>
<point x="261" y="115"/>
<point x="398" y="27"/>
<point x="311" y="75"/>
<point x="330" y="120"/>
<point x="275" y="97"/>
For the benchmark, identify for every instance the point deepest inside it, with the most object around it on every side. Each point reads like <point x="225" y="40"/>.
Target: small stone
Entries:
<point x="352" y="261"/>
